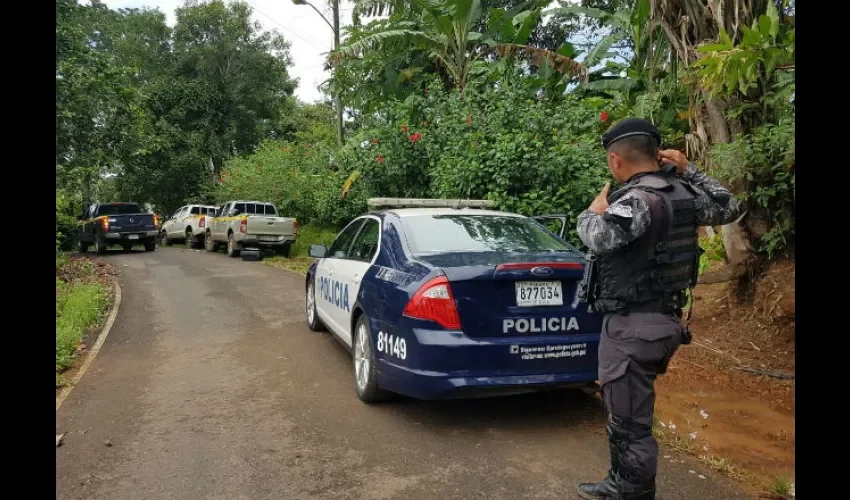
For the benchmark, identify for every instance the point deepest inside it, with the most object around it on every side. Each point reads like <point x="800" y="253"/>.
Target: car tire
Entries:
<point x="164" y="240"/>
<point x="190" y="239"/>
<point x="99" y="244"/>
<point x="210" y="245"/>
<point x="313" y="321"/>
<point x="150" y="244"/>
<point x="365" y="366"/>
<point x="232" y="251"/>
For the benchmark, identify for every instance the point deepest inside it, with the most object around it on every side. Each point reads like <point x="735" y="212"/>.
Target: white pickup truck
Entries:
<point x="242" y="224"/>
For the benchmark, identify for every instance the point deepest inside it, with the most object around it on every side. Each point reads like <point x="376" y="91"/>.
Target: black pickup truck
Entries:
<point x="109" y="224"/>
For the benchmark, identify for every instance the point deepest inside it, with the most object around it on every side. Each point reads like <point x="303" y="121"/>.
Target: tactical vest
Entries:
<point x="652" y="273"/>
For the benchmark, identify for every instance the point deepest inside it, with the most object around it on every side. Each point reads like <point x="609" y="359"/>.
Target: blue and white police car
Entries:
<point x="441" y="299"/>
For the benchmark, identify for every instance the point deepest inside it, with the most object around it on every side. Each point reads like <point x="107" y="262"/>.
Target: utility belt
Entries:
<point x="670" y="304"/>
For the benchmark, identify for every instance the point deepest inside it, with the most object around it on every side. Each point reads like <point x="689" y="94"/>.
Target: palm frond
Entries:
<point x="381" y="39"/>
<point x="537" y="56"/>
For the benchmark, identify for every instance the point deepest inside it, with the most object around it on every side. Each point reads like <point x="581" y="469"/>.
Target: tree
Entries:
<point x="447" y="32"/>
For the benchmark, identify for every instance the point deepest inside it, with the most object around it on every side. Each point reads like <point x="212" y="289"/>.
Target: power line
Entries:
<point x="270" y="18"/>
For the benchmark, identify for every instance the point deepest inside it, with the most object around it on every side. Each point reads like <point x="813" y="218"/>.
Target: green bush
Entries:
<point x="528" y="155"/>
<point x="763" y="163"/>
<point x="298" y="178"/>
<point x="312" y="235"/>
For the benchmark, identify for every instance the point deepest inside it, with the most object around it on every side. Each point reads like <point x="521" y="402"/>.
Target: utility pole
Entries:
<point x="335" y="28"/>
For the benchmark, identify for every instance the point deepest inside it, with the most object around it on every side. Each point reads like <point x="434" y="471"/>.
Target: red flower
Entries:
<point x="404" y="127"/>
<point x="380" y="159"/>
<point x="374" y="141"/>
<point x="415" y="137"/>
<point x="469" y="120"/>
<point x="603" y="116"/>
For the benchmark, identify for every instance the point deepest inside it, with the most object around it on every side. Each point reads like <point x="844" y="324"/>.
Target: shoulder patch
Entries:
<point x="621" y="210"/>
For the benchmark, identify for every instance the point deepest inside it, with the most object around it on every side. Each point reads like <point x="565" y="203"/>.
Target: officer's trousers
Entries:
<point x="634" y="349"/>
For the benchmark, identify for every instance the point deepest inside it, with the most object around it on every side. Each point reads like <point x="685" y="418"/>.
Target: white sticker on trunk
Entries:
<point x="550" y="351"/>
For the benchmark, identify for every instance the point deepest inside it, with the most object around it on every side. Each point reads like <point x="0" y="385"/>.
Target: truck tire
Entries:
<point x="232" y="251"/>
<point x="150" y="244"/>
<point x="83" y="246"/>
<point x="99" y="244"/>
<point x="285" y="250"/>
<point x="164" y="239"/>
<point x="209" y="243"/>
<point x="190" y="239"/>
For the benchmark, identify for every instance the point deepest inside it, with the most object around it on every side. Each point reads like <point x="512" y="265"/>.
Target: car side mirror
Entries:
<point x="318" y="251"/>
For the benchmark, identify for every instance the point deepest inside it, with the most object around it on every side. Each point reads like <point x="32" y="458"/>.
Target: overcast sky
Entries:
<point x="309" y="35"/>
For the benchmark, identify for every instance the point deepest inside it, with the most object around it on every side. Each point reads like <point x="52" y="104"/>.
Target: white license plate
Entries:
<point x="539" y="293"/>
<point x="269" y="238"/>
<point x="134" y="236"/>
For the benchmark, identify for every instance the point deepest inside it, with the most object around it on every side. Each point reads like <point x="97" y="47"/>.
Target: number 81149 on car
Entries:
<point x="438" y="303"/>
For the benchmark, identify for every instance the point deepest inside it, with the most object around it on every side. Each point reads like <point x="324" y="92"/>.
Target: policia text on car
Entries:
<point x="643" y="258"/>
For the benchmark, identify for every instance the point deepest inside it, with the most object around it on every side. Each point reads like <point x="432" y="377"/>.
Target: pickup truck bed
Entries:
<point x="110" y="224"/>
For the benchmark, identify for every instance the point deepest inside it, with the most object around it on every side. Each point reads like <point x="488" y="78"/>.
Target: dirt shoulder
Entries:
<point x="715" y="405"/>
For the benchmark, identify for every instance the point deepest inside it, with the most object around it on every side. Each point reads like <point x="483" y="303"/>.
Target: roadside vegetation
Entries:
<point x="492" y="99"/>
<point x="81" y="301"/>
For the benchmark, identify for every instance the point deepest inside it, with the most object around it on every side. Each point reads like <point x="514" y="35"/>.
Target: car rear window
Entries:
<point x="119" y="209"/>
<point x="435" y="234"/>
<point x="259" y="209"/>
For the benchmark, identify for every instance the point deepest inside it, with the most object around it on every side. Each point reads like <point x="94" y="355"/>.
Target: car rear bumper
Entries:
<point x="449" y="365"/>
<point x="254" y="241"/>
<point x="130" y="236"/>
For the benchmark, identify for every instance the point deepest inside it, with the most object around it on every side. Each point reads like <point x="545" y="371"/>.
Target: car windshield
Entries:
<point x="437" y="234"/>
<point x="119" y="209"/>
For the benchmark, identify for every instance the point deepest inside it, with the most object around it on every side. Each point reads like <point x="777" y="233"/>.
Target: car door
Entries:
<point x="555" y="223"/>
<point x="350" y="270"/>
<point x="173" y="223"/>
<point x="219" y="226"/>
<point x="85" y="227"/>
<point x="333" y="301"/>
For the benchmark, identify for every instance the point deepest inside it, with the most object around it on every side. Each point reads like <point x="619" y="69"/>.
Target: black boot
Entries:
<point x="603" y="490"/>
<point x="644" y="490"/>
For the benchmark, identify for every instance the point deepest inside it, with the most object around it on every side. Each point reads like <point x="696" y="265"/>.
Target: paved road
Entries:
<point x="210" y="386"/>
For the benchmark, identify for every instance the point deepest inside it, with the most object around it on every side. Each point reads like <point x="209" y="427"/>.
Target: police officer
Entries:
<point x="645" y="244"/>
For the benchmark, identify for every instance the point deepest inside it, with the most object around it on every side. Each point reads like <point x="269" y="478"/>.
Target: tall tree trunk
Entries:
<point x="688" y="24"/>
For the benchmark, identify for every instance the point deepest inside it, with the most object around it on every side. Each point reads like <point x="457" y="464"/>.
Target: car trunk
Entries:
<point x="488" y="297"/>
<point x="128" y="223"/>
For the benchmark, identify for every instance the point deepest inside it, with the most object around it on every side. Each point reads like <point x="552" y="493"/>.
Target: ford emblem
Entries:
<point x="541" y="271"/>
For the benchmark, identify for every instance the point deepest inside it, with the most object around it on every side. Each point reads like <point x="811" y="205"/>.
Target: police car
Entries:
<point x="441" y="299"/>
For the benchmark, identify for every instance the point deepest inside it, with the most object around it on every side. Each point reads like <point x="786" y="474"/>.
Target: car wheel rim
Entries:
<point x="311" y="312"/>
<point x="230" y="245"/>
<point x="361" y="358"/>
<point x="189" y="238"/>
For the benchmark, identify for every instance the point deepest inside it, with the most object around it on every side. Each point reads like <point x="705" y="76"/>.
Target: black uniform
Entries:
<point x="646" y="255"/>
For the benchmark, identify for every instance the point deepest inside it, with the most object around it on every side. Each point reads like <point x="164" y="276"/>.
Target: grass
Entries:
<point x="80" y="304"/>
<point x="782" y="486"/>
<point x="299" y="259"/>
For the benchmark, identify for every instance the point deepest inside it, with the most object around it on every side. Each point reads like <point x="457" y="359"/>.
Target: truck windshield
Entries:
<point x="119" y="209"/>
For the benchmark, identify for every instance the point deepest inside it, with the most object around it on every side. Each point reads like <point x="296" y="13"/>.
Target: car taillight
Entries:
<point x="202" y="222"/>
<point x="294" y="227"/>
<point x="155" y="221"/>
<point x="243" y="226"/>
<point x="105" y="223"/>
<point x="434" y="302"/>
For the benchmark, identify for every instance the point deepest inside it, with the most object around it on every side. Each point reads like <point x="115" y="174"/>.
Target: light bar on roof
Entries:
<point x="427" y="203"/>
